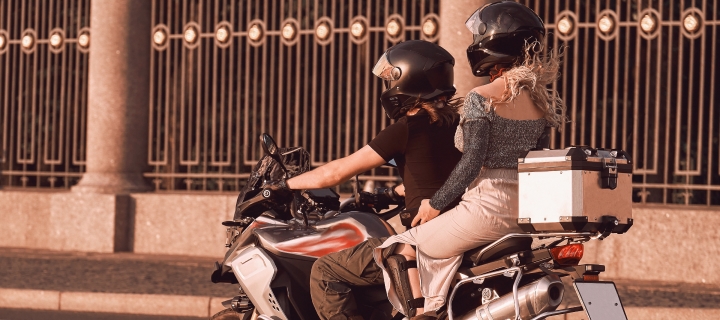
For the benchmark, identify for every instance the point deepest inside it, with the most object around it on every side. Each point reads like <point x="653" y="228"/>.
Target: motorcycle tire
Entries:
<point x="230" y="314"/>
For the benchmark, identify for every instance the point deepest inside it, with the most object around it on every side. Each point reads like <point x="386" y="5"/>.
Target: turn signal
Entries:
<point x="568" y="255"/>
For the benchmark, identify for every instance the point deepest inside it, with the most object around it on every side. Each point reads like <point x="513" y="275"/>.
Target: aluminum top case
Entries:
<point x="574" y="190"/>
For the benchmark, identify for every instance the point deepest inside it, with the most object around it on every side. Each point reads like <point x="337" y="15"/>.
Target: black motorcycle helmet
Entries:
<point x="500" y="32"/>
<point x="413" y="70"/>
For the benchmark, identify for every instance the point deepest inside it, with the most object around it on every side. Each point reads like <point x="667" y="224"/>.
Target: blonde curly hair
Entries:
<point x="535" y="73"/>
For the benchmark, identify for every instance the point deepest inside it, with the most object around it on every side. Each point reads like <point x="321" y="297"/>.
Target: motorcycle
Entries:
<point x="272" y="245"/>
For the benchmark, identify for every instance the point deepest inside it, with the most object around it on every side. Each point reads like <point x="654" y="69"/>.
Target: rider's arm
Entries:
<point x="337" y="171"/>
<point x="386" y="145"/>
<point x="400" y="189"/>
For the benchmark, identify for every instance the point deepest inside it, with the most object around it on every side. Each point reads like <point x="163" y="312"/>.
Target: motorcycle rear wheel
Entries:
<point x="230" y="314"/>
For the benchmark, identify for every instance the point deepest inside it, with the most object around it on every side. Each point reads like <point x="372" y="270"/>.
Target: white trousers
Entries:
<point x="487" y="212"/>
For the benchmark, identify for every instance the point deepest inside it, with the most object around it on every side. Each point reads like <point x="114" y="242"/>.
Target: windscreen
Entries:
<point x="296" y="160"/>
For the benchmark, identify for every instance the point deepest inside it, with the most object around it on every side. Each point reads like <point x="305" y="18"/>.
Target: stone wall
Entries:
<point x="64" y="221"/>
<point x="676" y="244"/>
<point x="88" y="222"/>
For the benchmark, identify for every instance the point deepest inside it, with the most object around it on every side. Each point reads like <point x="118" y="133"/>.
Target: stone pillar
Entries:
<point x="455" y="38"/>
<point x="118" y="95"/>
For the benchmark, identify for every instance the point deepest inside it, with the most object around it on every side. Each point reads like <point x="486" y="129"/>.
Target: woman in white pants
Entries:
<point x="500" y="122"/>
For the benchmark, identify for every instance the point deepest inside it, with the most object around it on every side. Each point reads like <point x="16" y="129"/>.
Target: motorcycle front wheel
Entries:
<point x="230" y="314"/>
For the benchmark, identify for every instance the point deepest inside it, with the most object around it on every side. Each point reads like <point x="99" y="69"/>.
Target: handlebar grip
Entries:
<point x="386" y="196"/>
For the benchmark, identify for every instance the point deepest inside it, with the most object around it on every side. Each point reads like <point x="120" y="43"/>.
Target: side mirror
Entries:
<point x="271" y="149"/>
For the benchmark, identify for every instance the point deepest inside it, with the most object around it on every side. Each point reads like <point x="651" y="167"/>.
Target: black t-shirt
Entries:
<point x="425" y="154"/>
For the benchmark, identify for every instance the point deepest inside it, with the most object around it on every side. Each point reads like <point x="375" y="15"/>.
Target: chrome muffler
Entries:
<point x="535" y="298"/>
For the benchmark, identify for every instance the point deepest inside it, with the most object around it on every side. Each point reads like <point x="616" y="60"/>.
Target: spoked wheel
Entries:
<point x="230" y="314"/>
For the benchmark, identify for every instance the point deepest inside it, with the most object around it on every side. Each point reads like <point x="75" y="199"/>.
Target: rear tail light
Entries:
<point x="591" y="277"/>
<point x="568" y="255"/>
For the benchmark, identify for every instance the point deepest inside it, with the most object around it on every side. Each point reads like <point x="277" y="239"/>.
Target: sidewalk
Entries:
<point x="180" y="286"/>
<point x="121" y="283"/>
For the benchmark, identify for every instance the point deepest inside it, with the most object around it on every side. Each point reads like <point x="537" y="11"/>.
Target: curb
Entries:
<point x="658" y="313"/>
<point x="655" y="313"/>
<point x="146" y="304"/>
<point x="198" y="306"/>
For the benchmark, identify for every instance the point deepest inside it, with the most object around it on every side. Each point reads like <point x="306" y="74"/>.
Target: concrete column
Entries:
<point x="118" y="95"/>
<point x="455" y="38"/>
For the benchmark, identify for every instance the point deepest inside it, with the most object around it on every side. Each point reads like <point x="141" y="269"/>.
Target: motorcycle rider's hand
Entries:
<point x="425" y="213"/>
<point x="279" y="190"/>
<point x="390" y="195"/>
<point x="399" y="190"/>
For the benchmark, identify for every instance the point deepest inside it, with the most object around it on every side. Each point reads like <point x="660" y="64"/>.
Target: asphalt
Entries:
<point x="33" y="314"/>
<point x="137" y="275"/>
<point x="111" y="273"/>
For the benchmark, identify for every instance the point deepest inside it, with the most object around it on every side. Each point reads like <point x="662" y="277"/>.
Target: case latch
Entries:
<point x="608" y="176"/>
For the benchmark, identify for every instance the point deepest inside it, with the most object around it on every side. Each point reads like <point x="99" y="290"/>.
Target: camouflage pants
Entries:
<point x="334" y="275"/>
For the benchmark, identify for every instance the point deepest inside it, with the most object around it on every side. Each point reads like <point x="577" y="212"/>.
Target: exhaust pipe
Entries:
<point x="535" y="298"/>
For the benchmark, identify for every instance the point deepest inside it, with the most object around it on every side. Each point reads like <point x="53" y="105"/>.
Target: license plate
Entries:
<point x="600" y="300"/>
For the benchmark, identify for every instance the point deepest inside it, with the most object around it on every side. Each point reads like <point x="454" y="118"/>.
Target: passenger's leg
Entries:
<point x="404" y="273"/>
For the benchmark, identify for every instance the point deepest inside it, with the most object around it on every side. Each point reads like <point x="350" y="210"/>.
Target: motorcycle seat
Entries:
<point x="507" y="246"/>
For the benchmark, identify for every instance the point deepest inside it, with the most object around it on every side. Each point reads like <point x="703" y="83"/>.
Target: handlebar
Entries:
<point x="373" y="202"/>
<point x="287" y="205"/>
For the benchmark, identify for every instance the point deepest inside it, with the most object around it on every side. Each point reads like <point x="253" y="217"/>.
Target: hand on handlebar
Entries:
<point x="278" y="191"/>
<point x="388" y="196"/>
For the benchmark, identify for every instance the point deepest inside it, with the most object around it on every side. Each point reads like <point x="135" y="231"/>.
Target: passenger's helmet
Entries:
<point x="413" y="70"/>
<point x="500" y="32"/>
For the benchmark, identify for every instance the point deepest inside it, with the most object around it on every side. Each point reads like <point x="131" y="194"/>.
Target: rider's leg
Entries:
<point x="334" y="275"/>
<point x="413" y="278"/>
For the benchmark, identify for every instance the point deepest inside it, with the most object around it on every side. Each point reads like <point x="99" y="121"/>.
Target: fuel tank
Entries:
<point x="326" y="236"/>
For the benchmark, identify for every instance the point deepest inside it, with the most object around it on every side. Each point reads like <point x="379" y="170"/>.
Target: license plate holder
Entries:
<point x="600" y="300"/>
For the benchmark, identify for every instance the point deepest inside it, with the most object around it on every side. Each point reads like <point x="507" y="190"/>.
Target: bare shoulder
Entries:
<point x="491" y="90"/>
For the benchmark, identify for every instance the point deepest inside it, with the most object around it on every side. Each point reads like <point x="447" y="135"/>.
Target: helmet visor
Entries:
<point x="386" y="71"/>
<point x="473" y="23"/>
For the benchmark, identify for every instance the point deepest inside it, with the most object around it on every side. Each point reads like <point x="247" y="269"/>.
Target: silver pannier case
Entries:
<point x="575" y="189"/>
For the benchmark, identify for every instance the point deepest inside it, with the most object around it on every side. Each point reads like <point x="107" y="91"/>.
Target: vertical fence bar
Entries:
<point x="5" y="75"/>
<point x="713" y="75"/>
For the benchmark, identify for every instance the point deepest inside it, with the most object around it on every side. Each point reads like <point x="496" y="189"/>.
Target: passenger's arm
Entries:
<point x="475" y="143"/>
<point x="475" y="133"/>
<point x="337" y="171"/>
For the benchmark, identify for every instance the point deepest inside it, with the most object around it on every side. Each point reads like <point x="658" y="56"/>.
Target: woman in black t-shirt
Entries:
<point x="418" y="78"/>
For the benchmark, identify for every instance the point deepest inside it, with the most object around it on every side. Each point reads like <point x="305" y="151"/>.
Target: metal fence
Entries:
<point x="637" y="75"/>
<point x="43" y="91"/>
<point x="225" y="71"/>
<point x="642" y="76"/>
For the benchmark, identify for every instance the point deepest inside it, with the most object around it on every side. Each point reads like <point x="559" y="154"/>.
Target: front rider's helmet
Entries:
<point x="413" y="70"/>
<point x="500" y="32"/>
